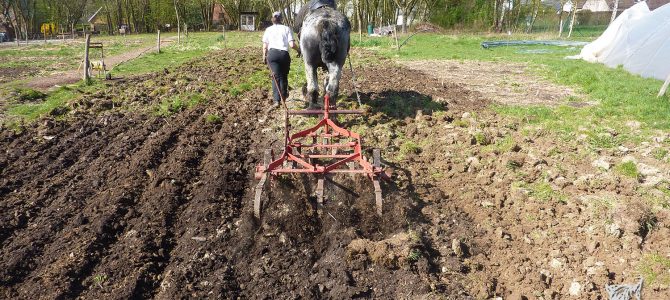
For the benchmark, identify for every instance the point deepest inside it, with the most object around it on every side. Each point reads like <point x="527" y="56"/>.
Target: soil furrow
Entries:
<point x="20" y="213"/>
<point x="34" y="159"/>
<point x="161" y="201"/>
<point x="80" y="183"/>
<point x="198" y="255"/>
<point x="117" y="188"/>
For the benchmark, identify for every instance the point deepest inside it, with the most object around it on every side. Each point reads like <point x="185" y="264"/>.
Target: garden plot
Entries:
<point x="143" y="189"/>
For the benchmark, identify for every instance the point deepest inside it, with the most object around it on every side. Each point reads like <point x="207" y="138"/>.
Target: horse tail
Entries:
<point x="329" y="40"/>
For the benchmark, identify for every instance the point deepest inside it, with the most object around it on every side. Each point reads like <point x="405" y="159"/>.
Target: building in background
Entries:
<point x="248" y="20"/>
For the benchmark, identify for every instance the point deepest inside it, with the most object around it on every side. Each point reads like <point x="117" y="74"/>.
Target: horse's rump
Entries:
<point x="324" y="43"/>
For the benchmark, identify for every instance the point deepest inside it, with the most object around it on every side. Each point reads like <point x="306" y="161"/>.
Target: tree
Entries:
<point x="206" y="11"/>
<point x="405" y="8"/>
<point x="8" y="19"/>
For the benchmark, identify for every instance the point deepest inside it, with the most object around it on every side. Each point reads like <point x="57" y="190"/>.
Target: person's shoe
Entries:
<point x="273" y="106"/>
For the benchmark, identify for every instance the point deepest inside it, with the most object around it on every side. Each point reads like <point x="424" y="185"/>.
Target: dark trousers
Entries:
<point x="280" y="64"/>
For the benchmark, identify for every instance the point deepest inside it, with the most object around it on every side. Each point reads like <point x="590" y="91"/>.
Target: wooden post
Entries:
<point x="665" y="87"/>
<point x="186" y="32"/>
<point x="87" y="63"/>
<point x="158" y="42"/>
<point x="395" y="33"/>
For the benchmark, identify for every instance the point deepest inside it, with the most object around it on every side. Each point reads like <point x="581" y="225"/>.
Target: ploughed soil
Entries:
<point x="144" y="190"/>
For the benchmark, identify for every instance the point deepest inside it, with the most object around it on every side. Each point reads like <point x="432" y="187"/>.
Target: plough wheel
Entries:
<point x="258" y="205"/>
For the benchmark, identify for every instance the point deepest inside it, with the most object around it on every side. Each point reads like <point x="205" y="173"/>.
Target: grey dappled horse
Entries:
<point x="324" y="43"/>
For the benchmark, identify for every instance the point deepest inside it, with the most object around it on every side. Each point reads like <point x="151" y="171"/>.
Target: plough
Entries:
<point x="323" y="149"/>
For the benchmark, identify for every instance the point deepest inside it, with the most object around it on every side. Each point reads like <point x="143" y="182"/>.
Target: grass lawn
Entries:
<point x="197" y="44"/>
<point x="172" y="55"/>
<point x="58" y="55"/>
<point x="620" y="96"/>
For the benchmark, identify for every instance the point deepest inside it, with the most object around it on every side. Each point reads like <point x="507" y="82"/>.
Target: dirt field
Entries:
<point x="118" y="202"/>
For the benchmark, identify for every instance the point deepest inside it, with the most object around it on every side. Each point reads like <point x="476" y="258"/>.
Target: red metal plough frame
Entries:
<point x="323" y="149"/>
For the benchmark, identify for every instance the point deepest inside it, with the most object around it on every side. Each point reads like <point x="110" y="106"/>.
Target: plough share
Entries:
<point x="323" y="149"/>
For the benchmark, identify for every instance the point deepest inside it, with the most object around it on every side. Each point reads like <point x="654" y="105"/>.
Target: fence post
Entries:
<point x="87" y="63"/>
<point x="158" y="42"/>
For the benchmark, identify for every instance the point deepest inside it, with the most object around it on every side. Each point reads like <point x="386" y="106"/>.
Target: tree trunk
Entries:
<point x="572" y="20"/>
<point x="534" y="17"/>
<point x="178" y="22"/>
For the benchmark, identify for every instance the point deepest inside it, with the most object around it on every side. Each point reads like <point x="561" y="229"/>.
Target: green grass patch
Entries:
<point x="602" y="140"/>
<point x="213" y="118"/>
<point x="541" y="191"/>
<point x="481" y="139"/>
<point x="654" y="268"/>
<point x="618" y="96"/>
<point x="414" y="255"/>
<point x="56" y="100"/>
<point x="197" y="44"/>
<point x="23" y="95"/>
<point x="506" y="144"/>
<point x="628" y="169"/>
<point x="177" y="103"/>
<point x="660" y="153"/>
<point x="409" y="147"/>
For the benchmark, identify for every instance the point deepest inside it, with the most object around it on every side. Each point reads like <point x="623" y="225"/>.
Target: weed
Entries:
<point x="503" y="145"/>
<point x="602" y="140"/>
<point x="654" y="268"/>
<point x="214" y="119"/>
<point x="629" y="169"/>
<point x="54" y="101"/>
<point x="409" y="147"/>
<point x="481" y="139"/>
<point x="414" y="255"/>
<point x="660" y="153"/>
<point x="437" y="175"/>
<point x="513" y="165"/>
<point x="170" y="106"/>
<point x="543" y="191"/>
<point x="461" y="123"/>
<point x="554" y="151"/>
<point x="100" y="279"/>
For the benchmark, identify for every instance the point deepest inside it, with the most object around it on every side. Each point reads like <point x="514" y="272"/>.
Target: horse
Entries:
<point x="324" y="43"/>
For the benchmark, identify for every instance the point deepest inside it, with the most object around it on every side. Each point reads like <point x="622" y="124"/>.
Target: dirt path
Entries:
<point x="506" y="83"/>
<point x="73" y="76"/>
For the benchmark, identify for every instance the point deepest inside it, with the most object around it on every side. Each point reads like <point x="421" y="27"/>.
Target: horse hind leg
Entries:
<point x="311" y="94"/>
<point x="333" y="82"/>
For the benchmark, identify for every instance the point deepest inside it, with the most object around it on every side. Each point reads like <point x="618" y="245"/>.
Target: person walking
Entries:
<point x="276" y="42"/>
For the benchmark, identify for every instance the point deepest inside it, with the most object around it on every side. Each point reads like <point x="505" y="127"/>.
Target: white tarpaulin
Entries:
<point x="638" y="40"/>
